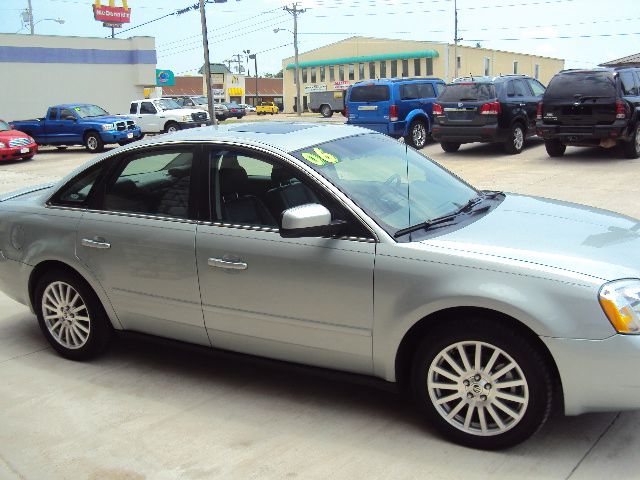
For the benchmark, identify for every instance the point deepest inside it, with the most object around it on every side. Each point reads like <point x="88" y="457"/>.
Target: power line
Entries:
<point x="559" y="37"/>
<point x="552" y="25"/>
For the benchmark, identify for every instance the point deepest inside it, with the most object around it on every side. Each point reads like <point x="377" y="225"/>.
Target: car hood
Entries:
<point x="7" y="134"/>
<point x="180" y="111"/>
<point x="108" y="118"/>
<point x="557" y="234"/>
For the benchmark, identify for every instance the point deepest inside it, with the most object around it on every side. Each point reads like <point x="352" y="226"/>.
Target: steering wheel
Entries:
<point x="393" y="181"/>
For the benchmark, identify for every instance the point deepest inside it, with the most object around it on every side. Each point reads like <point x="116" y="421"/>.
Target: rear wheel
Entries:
<point x="515" y="140"/>
<point x="631" y="149"/>
<point x="326" y="111"/>
<point x="417" y="136"/>
<point x="93" y="142"/>
<point x="482" y="384"/>
<point x="71" y="316"/>
<point x="555" y="148"/>
<point x="450" y="146"/>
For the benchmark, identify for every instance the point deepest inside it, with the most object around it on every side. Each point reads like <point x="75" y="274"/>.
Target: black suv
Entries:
<point x="598" y="107"/>
<point x="487" y="109"/>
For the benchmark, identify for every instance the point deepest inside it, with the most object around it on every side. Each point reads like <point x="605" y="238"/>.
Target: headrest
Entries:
<point x="281" y="175"/>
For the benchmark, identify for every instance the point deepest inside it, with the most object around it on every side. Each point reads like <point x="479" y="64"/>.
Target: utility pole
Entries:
<point x="456" y="39"/>
<point x="30" y="16"/>
<point x="295" y="11"/>
<point x="207" y="65"/>
<point x="255" y="60"/>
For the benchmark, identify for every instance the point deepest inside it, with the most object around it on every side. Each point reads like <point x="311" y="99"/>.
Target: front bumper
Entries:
<point x="598" y="375"/>
<point x="117" y="136"/>
<point x="204" y="123"/>
<point x="583" y="133"/>
<point x="490" y="133"/>
<point x="17" y="153"/>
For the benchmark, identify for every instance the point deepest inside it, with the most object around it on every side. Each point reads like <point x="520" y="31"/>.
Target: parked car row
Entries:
<point x="597" y="107"/>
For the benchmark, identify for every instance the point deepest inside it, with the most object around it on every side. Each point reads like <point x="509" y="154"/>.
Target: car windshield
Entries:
<point x="168" y="104"/>
<point x="85" y="111"/>
<point x="469" y="92"/>
<point x="573" y="84"/>
<point x="395" y="185"/>
<point x="4" y="126"/>
<point x="199" y="100"/>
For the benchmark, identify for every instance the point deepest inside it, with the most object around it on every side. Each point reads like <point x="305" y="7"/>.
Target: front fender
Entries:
<point x="417" y="113"/>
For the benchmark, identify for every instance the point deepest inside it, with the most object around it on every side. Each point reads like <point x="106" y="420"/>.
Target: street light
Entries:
<point x="297" y="74"/>
<point x="254" y="57"/>
<point x="57" y="20"/>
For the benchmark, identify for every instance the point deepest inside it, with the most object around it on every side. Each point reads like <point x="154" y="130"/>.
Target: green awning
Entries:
<point x="367" y="58"/>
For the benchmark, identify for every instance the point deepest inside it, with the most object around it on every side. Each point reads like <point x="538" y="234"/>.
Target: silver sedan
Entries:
<point x="336" y="247"/>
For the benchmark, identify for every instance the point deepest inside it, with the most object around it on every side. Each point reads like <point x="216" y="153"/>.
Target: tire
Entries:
<point x="515" y="141"/>
<point x="93" y="142"/>
<point x="418" y="134"/>
<point x="555" y="148"/>
<point x="171" y="127"/>
<point x="326" y="111"/>
<point x="271" y="112"/>
<point x="51" y="294"/>
<point x="631" y="149"/>
<point x="479" y="421"/>
<point x="450" y="146"/>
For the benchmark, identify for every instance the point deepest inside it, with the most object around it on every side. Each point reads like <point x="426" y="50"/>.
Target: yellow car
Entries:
<point x="267" y="107"/>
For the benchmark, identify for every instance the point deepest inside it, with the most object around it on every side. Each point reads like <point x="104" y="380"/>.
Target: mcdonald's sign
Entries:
<point x="111" y="13"/>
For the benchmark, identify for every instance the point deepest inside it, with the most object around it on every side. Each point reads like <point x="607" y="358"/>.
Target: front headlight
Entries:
<point x="108" y="126"/>
<point x="186" y="118"/>
<point x="31" y="140"/>
<point x="620" y="301"/>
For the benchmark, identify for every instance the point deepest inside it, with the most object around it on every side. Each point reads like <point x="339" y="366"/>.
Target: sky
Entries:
<point x="583" y="32"/>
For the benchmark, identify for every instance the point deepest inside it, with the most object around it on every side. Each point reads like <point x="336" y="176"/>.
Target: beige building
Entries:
<point x="338" y="65"/>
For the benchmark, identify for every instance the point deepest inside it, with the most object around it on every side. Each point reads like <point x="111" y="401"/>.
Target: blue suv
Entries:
<point x="397" y="107"/>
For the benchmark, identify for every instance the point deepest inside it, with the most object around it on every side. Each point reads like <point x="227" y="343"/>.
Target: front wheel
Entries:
<point x="515" y="141"/>
<point x="482" y="384"/>
<point x="93" y="142"/>
<point x="417" y="136"/>
<point x="71" y="316"/>
<point x="450" y="146"/>
<point x="171" y="127"/>
<point x="631" y="149"/>
<point x="555" y="148"/>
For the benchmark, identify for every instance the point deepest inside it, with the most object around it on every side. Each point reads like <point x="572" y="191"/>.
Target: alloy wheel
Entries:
<point x="518" y="138"/>
<point x="478" y="388"/>
<point x="92" y="143"/>
<point x="419" y="134"/>
<point x="66" y="315"/>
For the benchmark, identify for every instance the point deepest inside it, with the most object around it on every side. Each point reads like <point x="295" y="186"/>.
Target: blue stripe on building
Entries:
<point x="76" y="55"/>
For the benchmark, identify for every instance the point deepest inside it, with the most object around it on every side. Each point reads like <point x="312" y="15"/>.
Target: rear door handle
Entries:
<point x="221" y="263"/>
<point x="97" y="243"/>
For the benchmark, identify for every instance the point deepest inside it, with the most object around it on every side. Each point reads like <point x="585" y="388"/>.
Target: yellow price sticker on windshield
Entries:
<point x="319" y="157"/>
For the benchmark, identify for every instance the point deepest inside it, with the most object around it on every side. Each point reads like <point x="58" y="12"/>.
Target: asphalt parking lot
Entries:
<point x="150" y="409"/>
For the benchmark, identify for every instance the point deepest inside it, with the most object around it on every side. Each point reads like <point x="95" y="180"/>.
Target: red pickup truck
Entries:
<point x="15" y="145"/>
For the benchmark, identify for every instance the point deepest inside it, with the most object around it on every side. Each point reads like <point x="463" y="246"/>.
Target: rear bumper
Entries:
<point x="598" y="375"/>
<point x="393" y="129"/>
<point x="579" y="133"/>
<point x="467" y="134"/>
<point x="16" y="153"/>
<point x="14" y="279"/>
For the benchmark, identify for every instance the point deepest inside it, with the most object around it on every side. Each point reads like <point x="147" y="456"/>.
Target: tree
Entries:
<point x="273" y="75"/>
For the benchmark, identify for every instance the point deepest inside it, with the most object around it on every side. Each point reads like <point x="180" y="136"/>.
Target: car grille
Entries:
<point x="125" y="125"/>
<point x="19" y="142"/>
<point x="199" y="116"/>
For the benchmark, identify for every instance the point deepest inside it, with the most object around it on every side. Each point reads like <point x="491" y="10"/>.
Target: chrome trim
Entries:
<point x="25" y="191"/>
<point x="143" y="216"/>
<point x="87" y="242"/>
<point x="2" y="257"/>
<point x="221" y="263"/>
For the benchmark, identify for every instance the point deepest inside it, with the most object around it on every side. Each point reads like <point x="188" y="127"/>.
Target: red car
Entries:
<point x="15" y="145"/>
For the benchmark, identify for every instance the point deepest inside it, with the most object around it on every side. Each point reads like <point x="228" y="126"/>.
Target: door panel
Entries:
<point x="304" y="300"/>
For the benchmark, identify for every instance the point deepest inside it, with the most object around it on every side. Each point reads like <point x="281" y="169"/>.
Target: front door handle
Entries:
<point x="221" y="263"/>
<point x="97" y="243"/>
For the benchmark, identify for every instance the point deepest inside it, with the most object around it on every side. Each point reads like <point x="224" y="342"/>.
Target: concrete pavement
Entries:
<point x="149" y="409"/>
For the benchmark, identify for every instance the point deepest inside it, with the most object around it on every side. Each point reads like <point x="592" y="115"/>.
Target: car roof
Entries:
<point x="284" y="136"/>
<point x="486" y="79"/>
<point x="384" y="81"/>
<point x="72" y="105"/>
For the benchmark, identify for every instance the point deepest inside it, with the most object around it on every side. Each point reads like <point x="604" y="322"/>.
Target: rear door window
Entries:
<point x="467" y="92"/>
<point x="629" y="86"/>
<point x="568" y="85"/>
<point x="426" y="90"/>
<point x="536" y="87"/>
<point x="409" y="91"/>
<point x="370" y="93"/>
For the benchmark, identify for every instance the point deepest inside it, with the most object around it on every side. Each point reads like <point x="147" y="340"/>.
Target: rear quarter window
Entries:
<point x="469" y="92"/>
<point x="568" y="85"/>
<point x="370" y="93"/>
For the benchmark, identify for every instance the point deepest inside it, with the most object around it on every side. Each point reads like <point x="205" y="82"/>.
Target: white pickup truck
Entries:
<point x="156" y="115"/>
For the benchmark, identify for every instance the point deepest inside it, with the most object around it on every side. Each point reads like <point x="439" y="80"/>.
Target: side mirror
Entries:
<point x="310" y="220"/>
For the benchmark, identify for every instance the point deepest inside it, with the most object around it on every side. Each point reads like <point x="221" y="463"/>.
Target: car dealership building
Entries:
<point x="338" y="65"/>
<point x="43" y="70"/>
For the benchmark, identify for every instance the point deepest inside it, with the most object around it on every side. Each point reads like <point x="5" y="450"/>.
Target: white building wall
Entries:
<point x="42" y="70"/>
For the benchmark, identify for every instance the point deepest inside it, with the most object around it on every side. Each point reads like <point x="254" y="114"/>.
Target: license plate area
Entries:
<point x="24" y="150"/>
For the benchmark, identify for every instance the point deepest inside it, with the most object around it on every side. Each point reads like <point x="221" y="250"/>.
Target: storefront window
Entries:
<point x="416" y="67"/>
<point x="304" y="75"/>
<point x="372" y="69"/>
<point x="322" y="73"/>
<point x="332" y="73"/>
<point x="394" y="68"/>
<point x="313" y="74"/>
<point x="341" y="72"/>
<point x="383" y="69"/>
<point x="429" y="66"/>
<point x="361" y="71"/>
<point x="405" y="68"/>
<point x="352" y="73"/>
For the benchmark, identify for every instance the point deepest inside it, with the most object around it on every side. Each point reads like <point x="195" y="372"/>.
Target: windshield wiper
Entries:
<point x="439" y="220"/>
<point x="492" y="193"/>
